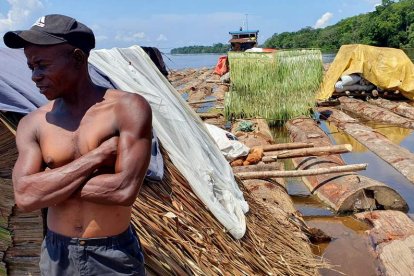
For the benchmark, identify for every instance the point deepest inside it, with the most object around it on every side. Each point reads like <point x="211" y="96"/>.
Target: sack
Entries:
<point x="228" y="144"/>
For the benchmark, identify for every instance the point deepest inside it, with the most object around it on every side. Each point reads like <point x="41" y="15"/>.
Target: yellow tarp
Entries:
<point x="387" y="68"/>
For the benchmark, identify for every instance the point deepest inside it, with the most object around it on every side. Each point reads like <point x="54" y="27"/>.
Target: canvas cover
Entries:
<point x="181" y="132"/>
<point x="387" y="68"/>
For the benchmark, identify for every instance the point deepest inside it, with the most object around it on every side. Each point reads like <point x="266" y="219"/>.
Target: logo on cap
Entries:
<point x="40" y="22"/>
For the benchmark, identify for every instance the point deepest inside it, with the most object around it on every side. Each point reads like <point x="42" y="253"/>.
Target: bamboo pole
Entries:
<point x="285" y="146"/>
<point x="299" y="173"/>
<point x="316" y="151"/>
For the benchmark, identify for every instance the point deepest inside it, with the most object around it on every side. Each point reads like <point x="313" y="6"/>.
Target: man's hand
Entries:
<point x="108" y="151"/>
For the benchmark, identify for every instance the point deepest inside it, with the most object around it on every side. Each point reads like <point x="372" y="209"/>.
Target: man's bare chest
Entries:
<point x="64" y="140"/>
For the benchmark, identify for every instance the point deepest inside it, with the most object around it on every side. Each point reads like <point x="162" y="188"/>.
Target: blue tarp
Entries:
<point x="18" y="93"/>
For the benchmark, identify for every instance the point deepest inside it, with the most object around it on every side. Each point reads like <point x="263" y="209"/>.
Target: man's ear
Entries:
<point x="80" y="57"/>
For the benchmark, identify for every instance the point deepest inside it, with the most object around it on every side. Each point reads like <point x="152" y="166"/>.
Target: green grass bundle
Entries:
<point x="275" y="86"/>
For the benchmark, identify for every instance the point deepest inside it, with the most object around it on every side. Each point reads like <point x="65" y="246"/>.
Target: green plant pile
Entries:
<point x="275" y="86"/>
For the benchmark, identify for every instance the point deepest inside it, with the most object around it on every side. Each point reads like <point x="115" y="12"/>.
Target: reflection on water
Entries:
<point x="395" y="134"/>
<point x="348" y="249"/>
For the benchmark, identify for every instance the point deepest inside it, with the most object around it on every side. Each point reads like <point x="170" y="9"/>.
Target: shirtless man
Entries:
<point x="83" y="155"/>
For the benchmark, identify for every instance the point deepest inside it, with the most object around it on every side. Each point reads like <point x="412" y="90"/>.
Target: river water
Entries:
<point x="177" y="62"/>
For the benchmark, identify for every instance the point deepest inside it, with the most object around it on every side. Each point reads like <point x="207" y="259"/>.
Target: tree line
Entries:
<point x="391" y="24"/>
<point x="218" y="48"/>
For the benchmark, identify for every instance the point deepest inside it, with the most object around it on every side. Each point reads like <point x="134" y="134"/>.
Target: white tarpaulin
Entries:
<point x="181" y="132"/>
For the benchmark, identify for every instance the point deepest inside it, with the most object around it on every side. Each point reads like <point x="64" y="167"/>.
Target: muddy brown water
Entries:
<point x="349" y="251"/>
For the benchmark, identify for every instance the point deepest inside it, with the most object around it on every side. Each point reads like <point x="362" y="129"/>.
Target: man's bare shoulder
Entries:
<point x="36" y="117"/>
<point x="128" y="101"/>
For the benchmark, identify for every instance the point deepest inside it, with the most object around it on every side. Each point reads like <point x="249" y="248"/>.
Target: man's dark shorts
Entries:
<point x="116" y="255"/>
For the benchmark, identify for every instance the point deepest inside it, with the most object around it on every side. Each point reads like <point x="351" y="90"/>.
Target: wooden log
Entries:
<point x="285" y="146"/>
<point x="257" y="168"/>
<point x="374" y="113"/>
<point x="261" y="134"/>
<point x="398" y="157"/>
<point x="209" y="115"/>
<point x="343" y="192"/>
<point x="299" y="173"/>
<point x="392" y="240"/>
<point x="400" y="108"/>
<point x="316" y="151"/>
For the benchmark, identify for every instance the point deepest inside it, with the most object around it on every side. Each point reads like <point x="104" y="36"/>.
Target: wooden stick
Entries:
<point x="203" y="101"/>
<point x="285" y="146"/>
<point x="316" y="151"/>
<point x="258" y="168"/>
<point x="209" y="115"/>
<point x="299" y="173"/>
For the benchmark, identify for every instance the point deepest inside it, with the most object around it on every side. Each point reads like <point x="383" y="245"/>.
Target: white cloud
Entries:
<point x="101" y="38"/>
<point x="162" y="37"/>
<point x="323" y="21"/>
<point x="20" y="14"/>
<point x="130" y="37"/>
<point x="140" y="35"/>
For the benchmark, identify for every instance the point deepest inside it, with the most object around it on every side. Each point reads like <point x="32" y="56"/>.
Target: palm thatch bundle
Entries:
<point x="21" y="234"/>
<point x="179" y="235"/>
<point x="275" y="86"/>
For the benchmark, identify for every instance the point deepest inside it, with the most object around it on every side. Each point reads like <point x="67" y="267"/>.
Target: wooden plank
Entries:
<point x="398" y="157"/>
<point x="343" y="192"/>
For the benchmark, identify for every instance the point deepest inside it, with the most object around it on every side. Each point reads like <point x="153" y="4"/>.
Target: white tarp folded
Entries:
<point x="181" y="132"/>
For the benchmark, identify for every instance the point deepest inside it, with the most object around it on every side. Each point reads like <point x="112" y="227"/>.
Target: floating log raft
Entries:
<point x="392" y="238"/>
<point x="398" y="157"/>
<point x="400" y="108"/>
<point x="271" y="190"/>
<point x="374" y="113"/>
<point x="341" y="191"/>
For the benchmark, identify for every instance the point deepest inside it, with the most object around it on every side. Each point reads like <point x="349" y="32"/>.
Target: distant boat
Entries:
<point x="243" y="40"/>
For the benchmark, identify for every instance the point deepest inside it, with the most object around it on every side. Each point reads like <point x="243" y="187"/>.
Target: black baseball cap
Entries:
<point x="53" y="29"/>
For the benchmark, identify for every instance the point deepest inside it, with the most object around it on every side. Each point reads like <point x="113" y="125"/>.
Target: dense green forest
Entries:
<point x="215" y="49"/>
<point x="390" y="25"/>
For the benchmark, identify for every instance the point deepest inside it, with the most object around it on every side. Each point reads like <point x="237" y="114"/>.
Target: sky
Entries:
<point x="168" y="24"/>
